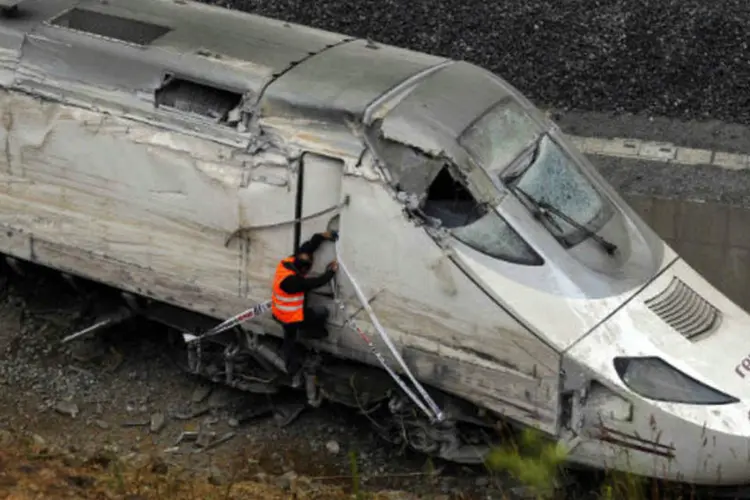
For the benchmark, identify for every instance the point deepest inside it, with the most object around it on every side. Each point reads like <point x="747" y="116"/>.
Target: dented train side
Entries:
<point x="113" y="173"/>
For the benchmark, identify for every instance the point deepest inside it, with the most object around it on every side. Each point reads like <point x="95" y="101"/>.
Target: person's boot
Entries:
<point x="294" y="372"/>
<point x="317" y="334"/>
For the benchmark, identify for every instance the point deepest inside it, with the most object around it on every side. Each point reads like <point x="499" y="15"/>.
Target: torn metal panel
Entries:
<point x="366" y="168"/>
<point x="295" y="135"/>
<point x="338" y="84"/>
<point x="409" y="169"/>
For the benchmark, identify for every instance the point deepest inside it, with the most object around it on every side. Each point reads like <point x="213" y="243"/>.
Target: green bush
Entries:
<point x="534" y="461"/>
<point x="537" y="463"/>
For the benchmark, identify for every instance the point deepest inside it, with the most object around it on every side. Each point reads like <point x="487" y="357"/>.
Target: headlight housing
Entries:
<point x="653" y="378"/>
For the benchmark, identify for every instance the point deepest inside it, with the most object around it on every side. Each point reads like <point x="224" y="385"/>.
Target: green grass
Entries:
<point x="539" y="465"/>
<point x="533" y="461"/>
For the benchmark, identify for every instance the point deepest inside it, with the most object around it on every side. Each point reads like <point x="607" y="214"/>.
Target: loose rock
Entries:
<point x="158" y="421"/>
<point x="101" y="424"/>
<point x="215" y="476"/>
<point x="67" y="408"/>
<point x="38" y="440"/>
<point x="286" y="480"/>
<point x="333" y="447"/>
<point x="159" y="466"/>
<point x="221" y="398"/>
<point x="201" y="392"/>
<point x="6" y="437"/>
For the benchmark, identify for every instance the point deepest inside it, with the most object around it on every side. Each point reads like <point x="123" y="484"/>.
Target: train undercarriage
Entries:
<point x="249" y="362"/>
<point x="252" y="363"/>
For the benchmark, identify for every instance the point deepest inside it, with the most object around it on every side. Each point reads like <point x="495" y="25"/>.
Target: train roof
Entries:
<point x="124" y="51"/>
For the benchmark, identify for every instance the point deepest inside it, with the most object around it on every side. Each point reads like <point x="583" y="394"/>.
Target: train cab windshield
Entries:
<point x="445" y="201"/>
<point x="515" y="149"/>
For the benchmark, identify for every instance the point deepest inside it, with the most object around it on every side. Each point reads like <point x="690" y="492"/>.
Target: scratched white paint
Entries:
<point x="418" y="310"/>
<point x="711" y="441"/>
<point x="149" y="210"/>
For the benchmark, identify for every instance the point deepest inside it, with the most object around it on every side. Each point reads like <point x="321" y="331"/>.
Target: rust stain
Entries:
<point x="620" y="438"/>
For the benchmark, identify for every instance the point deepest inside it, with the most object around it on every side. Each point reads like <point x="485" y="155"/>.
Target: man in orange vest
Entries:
<point x="290" y="285"/>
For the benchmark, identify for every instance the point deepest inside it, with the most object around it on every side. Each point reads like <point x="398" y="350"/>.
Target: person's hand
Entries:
<point x="333" y="266"/>
<point x="331" y="235"/>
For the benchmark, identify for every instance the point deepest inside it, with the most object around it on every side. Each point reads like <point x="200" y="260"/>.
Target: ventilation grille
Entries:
<point x="684" y="310"/>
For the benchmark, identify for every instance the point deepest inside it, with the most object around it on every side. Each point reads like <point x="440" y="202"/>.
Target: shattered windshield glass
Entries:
<point x="476" y="225"/>
<point x="552" y="178"/>
<point x="493" y="236"/>
<point x="500" y="135"/>
<point x="508" y="143"/>
<point x="447" y="202"/>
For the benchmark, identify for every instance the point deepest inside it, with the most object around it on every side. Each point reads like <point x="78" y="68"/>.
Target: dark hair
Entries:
<point x="302" y="264"/>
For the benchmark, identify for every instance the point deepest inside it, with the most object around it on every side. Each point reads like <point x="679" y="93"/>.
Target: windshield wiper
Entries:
<point x="511" y="178"/>
<point x="542" y="208"/>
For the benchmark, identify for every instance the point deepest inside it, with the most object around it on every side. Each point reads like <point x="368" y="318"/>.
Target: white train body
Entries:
<point x="108" y="176"/>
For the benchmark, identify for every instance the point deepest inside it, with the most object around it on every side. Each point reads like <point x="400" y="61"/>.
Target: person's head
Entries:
<point x="303" y="262"/>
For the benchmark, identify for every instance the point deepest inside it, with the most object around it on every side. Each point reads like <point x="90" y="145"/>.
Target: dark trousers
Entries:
<point x="312" y="327"/>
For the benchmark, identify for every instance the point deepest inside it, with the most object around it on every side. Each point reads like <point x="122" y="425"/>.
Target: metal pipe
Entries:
<point x="121" y="315"/>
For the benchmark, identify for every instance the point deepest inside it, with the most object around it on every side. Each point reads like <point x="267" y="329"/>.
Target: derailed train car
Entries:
<point x="177" y="151"/>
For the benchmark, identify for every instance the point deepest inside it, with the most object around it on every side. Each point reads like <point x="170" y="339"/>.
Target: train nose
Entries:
<point x="653" y="416"/>
<point x="678" y="354"/>
<point x="688" y="319"/>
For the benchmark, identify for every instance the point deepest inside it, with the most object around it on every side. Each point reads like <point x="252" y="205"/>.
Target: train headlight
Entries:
<point x="653" y="378"/>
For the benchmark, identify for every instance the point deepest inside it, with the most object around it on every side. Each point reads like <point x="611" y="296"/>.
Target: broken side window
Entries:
<point x="475" y="225"/>
<point x="199" y="99"/>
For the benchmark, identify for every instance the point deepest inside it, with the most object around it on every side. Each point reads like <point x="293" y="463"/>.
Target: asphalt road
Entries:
<point x="684" y="59"/>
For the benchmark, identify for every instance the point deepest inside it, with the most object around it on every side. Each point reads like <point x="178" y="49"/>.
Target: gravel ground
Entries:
<point x="685" y="59"/>
<point x="675" y="58"/>
<point x="105" y="394"/>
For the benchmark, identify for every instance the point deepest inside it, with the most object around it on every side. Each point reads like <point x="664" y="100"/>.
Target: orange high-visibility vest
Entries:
<point x="287" y="308"/>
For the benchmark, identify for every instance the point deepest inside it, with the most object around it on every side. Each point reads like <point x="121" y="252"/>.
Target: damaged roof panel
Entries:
<point x="131" y="44"/>
<point x="266" y="42"/>
<point x="341" y="82"/>
<point x="73" y="60"/>
<point x="431" y="115"/>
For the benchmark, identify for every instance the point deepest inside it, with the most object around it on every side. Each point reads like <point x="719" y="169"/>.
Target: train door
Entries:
<point x="320" y="188"/>
<point x="267" y="205"/>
